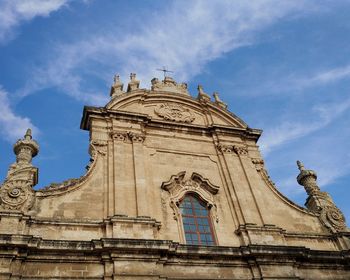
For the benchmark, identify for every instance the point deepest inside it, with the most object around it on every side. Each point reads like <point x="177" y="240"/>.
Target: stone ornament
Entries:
<point x="225" y="148"/>
<point x="136" y="137"/>
<point x="259" y="163"/>
<point x="320" y="202"/>
<point x="202" y="96"/>
<point x="119" y="135"/>
<point x="133" y="84"/>
<point x="333" y="218"/>
<point x="178" y="186"/>
<point x="117" y="87"/>
<point x="174" y="112"/>
<point x="16" y="195"/>
<point x="218" y="101"/>
<point x="241" y="150"/>
<point x="168" y="84"/>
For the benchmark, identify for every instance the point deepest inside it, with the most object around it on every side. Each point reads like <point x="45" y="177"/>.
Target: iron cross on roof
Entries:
<point x="164" y="70"/>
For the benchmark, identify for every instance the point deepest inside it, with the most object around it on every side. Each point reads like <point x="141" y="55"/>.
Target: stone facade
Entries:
<point x="123" y="218"/>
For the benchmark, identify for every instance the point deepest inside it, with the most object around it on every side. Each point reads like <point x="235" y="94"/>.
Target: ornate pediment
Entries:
<point x="178" y="186"/>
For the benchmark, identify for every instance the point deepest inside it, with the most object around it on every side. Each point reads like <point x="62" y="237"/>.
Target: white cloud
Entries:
<point x="291" y="130"/>
<point x="184" y="36"/>
<point x="13" y="12"/>
<point x="13" y="126"/>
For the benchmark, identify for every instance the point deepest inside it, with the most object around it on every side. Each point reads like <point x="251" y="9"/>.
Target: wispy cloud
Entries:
<point x="186" y="36"/>
<point x="298" y="83"/>
<point x="12" y="125"/>
<point x="13" y="12"/>
<point x="323" y="115"/>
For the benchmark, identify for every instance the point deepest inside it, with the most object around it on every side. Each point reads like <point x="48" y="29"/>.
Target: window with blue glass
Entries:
<point x="196" y="221"/>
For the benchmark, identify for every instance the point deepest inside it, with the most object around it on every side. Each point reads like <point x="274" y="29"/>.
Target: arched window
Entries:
<point x="196" y="221"/>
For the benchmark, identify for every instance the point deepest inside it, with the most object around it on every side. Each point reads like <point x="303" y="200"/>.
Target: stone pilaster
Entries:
<point x="137" y="140"/>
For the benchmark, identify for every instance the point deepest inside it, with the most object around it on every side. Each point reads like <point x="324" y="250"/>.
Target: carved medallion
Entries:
<point x="16" y="195"/>
<point x="333" y="218"/>
<point x="174" y="112"/>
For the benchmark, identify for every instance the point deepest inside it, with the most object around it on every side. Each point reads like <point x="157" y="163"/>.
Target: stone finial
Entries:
<point x="133" y="84"/>
<point x="307" y="178"/>
<point x="28" y="134"/>
<point x="218" y="101"/>
<point x="320" y="202"/>
<point x="26" y="148"/>
<point x="16" y="192"/>
<point x="202" y="96"/>
<point x="300" y="165"/>
<point x="117" y="87"/>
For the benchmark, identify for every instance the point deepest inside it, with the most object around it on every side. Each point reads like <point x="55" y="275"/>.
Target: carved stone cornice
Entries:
<point x="174" y="112"/>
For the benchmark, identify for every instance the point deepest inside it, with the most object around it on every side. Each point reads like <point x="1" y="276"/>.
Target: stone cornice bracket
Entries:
<point x="16" y="193"/>
<point x="202" y="96"/>
<point x="136" y="137"/>
<point x="117" y="87"/>
<point x="241" y="150"/>
<point x="218" y="101"/>
<point x="133" y="84"/>
<point x="178" y="186"/>
<point x="320" y="202"/>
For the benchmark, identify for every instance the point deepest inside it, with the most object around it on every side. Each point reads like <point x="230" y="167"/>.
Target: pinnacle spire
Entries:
<point x="300" y="165"/>
<point x="28" y="134"/>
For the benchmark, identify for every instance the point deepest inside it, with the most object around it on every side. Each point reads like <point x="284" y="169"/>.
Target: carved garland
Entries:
<point x="178" y="187"/>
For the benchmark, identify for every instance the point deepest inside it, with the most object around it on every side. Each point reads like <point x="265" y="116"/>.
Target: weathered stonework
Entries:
<point x="123" y="219"/>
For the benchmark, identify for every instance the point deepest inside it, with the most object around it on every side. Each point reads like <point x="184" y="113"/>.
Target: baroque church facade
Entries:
<point x="176" y="188"/>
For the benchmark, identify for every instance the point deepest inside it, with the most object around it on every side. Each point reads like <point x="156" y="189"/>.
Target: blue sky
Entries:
<point x="282" y="66"/>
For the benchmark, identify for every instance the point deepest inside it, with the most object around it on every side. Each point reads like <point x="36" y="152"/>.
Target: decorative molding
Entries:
<point x="178" y="187"/>
<point x="174" y="112"/>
